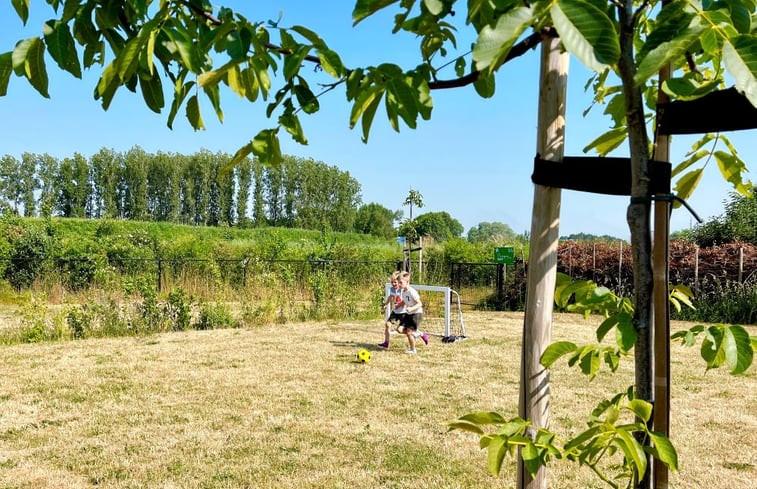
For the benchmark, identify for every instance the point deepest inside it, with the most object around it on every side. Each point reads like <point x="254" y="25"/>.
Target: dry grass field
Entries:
<point x="286" y="406"/>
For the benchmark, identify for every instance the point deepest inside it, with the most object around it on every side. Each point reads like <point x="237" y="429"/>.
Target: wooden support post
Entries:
<point x="661" y="317"/>
<point x="660" y="301"/>
<point x="542" y="267"/>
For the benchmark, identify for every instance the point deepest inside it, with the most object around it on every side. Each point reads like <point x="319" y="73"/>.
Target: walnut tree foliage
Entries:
<point x="177" y="52"/>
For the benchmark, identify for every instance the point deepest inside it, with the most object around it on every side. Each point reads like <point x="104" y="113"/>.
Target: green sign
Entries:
<point x="504" y="254"/>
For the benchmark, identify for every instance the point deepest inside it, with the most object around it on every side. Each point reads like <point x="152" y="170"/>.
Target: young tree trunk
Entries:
<point x="638" y="217"/>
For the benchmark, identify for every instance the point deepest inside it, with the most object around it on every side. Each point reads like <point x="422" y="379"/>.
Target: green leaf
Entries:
<point x="484" y="418"/>
<point x="60" y="45"/>
<point x="22" y="9"/>
<point x="632" y="450"/>
<point x="608" y="141"/>
<point x="625" y="334"/>
<point x="213" y="77"/>
<point x="291" y="123"/>
<point x="306" y="98"/>
<point x="368" y="114"/>
<point x="485" y="86"/>
<point x="193" y="113"/>
<point x="693" y="158"/>
<point x="612" y="359"/>
<point x="6" y="68"/>
<point x="685" y="185"/>
<point x="587" y="32"/>
<point x="263" y="78"/>
<point x="465" y="426"/>
<point x="70" y="8"/>
<point x="671" y="38"/>
<point x="181" y="90"/>
<point x="497" y="450"/>
<point x="732" y="168"/>
<point x="494" y="43"/>
<point x="331" y="62"/>
<point x="555" y="351"/>
<point x="107" y="85"/>
<point x="28" y="59"/>
<point x="366" y="8"/>
<point x="213" y="93"/>
<point x="664" y="451"/>
<point x="266" y="147"/>
<point x="293" y="62"/>
<point x="590" y="363"/>
<point x="531" y="458"/>
<point x="250" y="82"/>
<point x="152" y="92"/>
<point x="363" y="100"/>
<point x="641" y="409"/>
<point x="740" y="57"/>
<point x="582" y="437"/>
<point x="606" y="326"/>
<point x="241" y="154"/>
<point x="712" y="348"/>
<point x="435" y="7"/>
<point x="737" y="348"/>
<point x="186" y="49"/>
<point x="740" y="16"/>
<point x="407" y="105"/>
<point x="688" y="87"/>
<point x="238" y="44"/>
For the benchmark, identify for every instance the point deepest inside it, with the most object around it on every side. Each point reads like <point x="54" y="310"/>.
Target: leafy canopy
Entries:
<point x="179" y="52"/>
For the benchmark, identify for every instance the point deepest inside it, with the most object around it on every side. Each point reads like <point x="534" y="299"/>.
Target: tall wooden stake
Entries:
<point x="660" y="264"/>
<point x="542" y="263"/>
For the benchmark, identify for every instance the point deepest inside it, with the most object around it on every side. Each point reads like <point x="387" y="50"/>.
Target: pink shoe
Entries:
<point x="384" y="344"/>
<point x="424" y="337"/>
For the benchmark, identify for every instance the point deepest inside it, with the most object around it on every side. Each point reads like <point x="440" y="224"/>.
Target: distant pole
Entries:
<point x="420" y="259"/>
<point x="542" y="267"/>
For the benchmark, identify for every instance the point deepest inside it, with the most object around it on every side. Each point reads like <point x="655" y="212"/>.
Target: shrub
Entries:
<point x="28" y="256"/>
<point x="215" y="316"/>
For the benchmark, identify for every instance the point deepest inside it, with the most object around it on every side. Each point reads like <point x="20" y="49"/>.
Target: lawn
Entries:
<point x="287" y="406"/>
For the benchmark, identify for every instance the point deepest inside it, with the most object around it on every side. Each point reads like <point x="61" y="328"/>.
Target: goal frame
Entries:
<point x="448" y="294"/>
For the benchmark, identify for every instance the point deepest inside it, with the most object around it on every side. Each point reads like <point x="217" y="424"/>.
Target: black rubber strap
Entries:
<point x="599" y="175"/>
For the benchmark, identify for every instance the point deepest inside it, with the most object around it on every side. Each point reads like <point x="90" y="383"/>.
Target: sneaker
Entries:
<point x="424" y="337"/>
<point x="411" y="352"/>
<point x="384" y="344"/>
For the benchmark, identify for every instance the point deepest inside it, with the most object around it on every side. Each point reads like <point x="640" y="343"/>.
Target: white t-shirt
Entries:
<point x="411" y="297"/>
<point x="396" y="297"/>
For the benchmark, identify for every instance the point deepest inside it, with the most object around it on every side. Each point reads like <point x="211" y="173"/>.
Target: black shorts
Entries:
<point x="411" y="321"/>
<point x="395" y="317"/>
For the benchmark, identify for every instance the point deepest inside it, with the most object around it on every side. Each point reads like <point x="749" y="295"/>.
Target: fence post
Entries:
<point x="500" y="284"/>
<point x="741" y="262"/>
<point x="160" y="274"/>
<point x="620" y="266"/>
<point x="696" y="265"/>
<point x="245" y="261"/>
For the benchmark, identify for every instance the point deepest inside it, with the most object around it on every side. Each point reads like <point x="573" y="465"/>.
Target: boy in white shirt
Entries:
<point x="413" y="315"/>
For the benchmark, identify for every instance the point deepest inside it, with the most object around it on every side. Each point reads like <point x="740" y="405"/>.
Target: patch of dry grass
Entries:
<point x="286" y="406"/>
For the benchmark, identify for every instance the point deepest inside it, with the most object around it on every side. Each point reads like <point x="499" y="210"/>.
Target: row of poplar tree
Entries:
<point x="197" y="189"/>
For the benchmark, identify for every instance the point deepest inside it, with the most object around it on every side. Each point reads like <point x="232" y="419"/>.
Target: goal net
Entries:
<point x="442" y="312"/>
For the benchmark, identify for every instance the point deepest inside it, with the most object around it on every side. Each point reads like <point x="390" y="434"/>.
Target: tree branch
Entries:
<point x="518" y="50"/>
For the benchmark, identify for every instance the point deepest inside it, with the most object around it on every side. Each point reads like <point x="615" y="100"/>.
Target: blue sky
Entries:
<point x="473" y="159"/>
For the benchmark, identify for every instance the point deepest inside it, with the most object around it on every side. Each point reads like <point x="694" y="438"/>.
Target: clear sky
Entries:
<point x="473" y="159"/>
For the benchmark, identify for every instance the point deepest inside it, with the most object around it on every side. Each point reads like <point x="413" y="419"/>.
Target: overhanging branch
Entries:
<point x="517" y="50"/>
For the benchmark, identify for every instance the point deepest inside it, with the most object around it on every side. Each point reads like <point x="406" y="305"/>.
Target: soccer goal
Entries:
<point x="442" y="312"/>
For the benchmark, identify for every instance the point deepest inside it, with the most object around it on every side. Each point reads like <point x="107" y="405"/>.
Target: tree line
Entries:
<point x="196" y="189"/>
